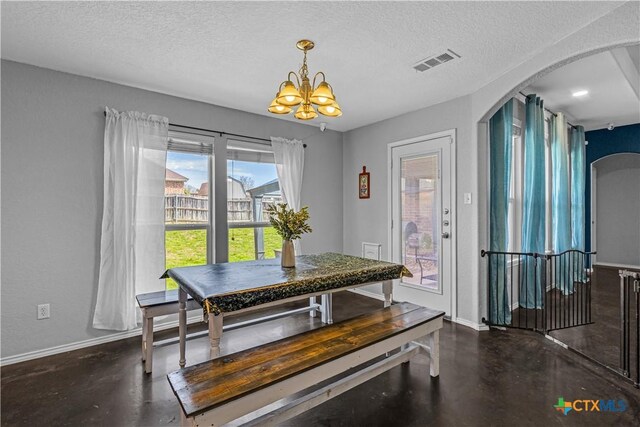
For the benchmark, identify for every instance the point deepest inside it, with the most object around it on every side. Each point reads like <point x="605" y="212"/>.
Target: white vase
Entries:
<point x="288" y="258"/>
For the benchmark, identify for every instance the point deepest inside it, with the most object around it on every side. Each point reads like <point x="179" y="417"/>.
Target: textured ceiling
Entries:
<point x="611" y="97"/>
<point x="235" y="54"/>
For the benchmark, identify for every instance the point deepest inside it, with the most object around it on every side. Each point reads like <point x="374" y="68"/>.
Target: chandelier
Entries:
<point x="305" y="94"/>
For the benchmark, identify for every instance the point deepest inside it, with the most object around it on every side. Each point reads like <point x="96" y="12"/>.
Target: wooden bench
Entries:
<point x="242" y="384"/>
<point x="153" y="304"/>
<point x="163" y="303"/>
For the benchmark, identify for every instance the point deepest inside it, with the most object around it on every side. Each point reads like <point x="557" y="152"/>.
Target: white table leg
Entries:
<point x="327" y="308"/>
<point x="148" y="362"/>
<point x="215" y="333"/>
<point x="387" y="290"/>
<point x="312" y="301"/>
<point x="182" y="317"/>
<point x="433" y="340"/>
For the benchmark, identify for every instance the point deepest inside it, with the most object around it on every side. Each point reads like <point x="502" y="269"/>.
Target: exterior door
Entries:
<point x="423" y="220"/>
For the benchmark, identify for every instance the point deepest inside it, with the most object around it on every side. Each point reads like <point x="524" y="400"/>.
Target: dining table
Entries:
<point x="229" y="288"/>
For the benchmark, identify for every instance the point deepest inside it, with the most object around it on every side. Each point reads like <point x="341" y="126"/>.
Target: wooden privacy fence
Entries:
<point x="184" y="208"/>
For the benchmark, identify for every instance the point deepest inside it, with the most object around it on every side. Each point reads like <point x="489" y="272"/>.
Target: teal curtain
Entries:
<point x="500" y="148"/>
<point x="533" y="204"/>
<point x="560" y="203"/>
<point x="578" y="182"/>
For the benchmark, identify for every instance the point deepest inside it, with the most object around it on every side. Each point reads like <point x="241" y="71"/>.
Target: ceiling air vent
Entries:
<point x="435" y="60"/>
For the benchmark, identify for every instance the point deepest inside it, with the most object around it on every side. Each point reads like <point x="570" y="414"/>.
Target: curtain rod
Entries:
<point x="223" y="133"/>
<point x="551" y="112"/>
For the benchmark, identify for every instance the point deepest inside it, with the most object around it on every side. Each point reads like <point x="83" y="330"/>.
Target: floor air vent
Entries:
<point x="435" y="60"/>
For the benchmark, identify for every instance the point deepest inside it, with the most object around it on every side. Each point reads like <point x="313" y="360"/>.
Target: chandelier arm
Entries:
<point x="313" y="85"/>
<point x="296" y="76"/>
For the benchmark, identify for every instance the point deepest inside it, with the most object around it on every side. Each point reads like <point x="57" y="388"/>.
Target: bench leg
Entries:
<point x="182" y="317"/>
<point x="148" y="358"/>
<point x="144" y="334"/>
<point x="433" y="340"/>
<point x="215" y="333"/>
<point x="387" y="290"/>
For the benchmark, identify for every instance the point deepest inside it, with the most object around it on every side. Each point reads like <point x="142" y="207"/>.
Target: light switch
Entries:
<point x="467" y="198"/>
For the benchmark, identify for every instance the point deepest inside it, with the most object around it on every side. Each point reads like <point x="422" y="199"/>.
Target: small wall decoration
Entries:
<point x="363" y="184"/>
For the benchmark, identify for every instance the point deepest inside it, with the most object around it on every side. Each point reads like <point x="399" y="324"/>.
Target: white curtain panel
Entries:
<point x="289" y="156"/>
<point x="132" y="255"/>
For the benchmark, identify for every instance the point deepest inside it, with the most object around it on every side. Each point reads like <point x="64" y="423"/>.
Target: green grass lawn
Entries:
<point x="189" y="247"/>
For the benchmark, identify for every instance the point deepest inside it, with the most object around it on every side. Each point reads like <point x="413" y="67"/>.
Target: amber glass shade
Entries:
<point x="323" y="95"/>
<point x="306" y="112"/>
<point x="289" y="95"/>
<point x="276" y="108"/>
<point x="332" y="110"/>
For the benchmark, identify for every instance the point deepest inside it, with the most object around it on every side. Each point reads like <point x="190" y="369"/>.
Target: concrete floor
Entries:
<point x="601" y="339"/>
<point x="497" y="378"/>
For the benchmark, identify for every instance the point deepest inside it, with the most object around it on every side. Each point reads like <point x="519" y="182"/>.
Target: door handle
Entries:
<point x="445" y="235"/>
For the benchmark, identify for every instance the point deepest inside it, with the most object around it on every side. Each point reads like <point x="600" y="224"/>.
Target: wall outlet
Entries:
<point x="44" y="311"/>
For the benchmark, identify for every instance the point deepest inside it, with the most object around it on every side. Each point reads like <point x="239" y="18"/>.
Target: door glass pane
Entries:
<point x="186" y="195"/>
<point x="419" y="207"/>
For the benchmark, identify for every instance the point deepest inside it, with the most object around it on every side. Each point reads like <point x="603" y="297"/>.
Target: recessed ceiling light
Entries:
<point x="580" y="93"/>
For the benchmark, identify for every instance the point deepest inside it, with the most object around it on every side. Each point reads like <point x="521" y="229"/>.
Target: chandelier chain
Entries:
<point x="304" y="71"/>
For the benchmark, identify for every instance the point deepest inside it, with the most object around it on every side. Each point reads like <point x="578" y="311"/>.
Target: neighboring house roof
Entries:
<point x="235" y="189"/>
<point x="174" y="176"/>
<point x="204" y="189"/>
<point x="270" y="187"/>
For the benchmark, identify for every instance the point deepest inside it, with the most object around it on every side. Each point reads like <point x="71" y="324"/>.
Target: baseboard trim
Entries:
<point x="36" y="354"/>
<point x="613" y="266"/>
<point x="458" y="320"/>
<point x="367" y="294"/>
<point x="473" y="325"/>
<point x="560" y="343"/>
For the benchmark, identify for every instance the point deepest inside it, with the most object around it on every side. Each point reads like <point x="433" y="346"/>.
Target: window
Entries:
<point x="252" y="185"/>
<point x="517" y="181"/>
<point x="515" y="190"/>
<point x="187" y="203"/>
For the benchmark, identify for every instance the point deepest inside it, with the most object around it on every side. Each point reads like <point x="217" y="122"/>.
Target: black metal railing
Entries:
<point x="630" y="324"/>
<point x="540" y="292"/>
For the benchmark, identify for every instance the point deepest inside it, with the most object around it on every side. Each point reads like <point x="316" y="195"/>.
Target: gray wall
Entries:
<point x="366" y="220"/>
<point x="618" y="209"/>
<point x="52" y="155"/>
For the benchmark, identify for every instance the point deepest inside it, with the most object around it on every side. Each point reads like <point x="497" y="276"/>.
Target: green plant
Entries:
<point x="290" y="225"/>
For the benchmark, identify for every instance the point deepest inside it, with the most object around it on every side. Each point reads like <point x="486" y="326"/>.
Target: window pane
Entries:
<point x="419" y="201"/>
<point x="184" y="248"/>
<point x="186" y="188"/>
<point x="242" y="243"/>
<point x="186" y="202"/>
<point x="251" y="187"/>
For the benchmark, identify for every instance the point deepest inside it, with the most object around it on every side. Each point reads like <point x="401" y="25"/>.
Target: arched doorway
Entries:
<point x="601" y="344"/>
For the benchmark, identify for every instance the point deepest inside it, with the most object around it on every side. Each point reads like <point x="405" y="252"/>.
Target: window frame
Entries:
<point x="245" y="151"/>
<point x="515" y="189"/>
